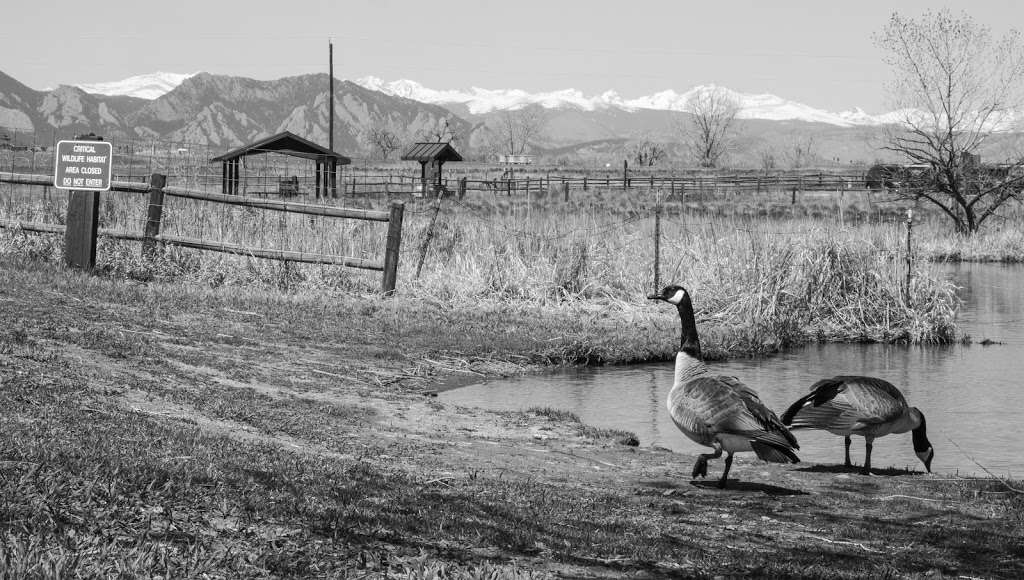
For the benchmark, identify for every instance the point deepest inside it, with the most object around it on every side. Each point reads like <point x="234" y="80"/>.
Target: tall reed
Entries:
<point x="765" y="282"/>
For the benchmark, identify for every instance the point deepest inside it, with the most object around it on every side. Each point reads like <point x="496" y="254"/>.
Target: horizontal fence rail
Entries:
<point x="285" y="206"/>
<point x="47" y="180"/>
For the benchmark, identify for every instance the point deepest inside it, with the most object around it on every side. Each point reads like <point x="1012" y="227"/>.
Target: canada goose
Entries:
<point x="866" y="406"/>
<point x="719" y="411"/>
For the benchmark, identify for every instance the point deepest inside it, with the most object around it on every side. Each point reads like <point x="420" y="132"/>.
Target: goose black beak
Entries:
<point x="926" y="458"/>
<point x="654" y="297"/>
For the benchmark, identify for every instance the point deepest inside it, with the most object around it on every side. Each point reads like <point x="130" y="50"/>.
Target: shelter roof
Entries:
<point x="285" y="143"/>
<point x="423" y="152"/>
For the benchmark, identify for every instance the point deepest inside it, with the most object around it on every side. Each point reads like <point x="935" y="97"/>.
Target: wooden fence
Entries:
<point x="82" y="230"/>
<point x="388" y="184"/>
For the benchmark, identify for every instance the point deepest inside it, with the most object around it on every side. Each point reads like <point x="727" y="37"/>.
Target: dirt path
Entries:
<point x="463" y="485"/>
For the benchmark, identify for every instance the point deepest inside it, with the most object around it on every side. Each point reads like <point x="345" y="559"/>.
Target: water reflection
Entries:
<point x="972" y="395"/>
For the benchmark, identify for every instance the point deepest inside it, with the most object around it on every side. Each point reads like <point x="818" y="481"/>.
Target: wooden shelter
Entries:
<point x="431" y="156"/>
<point x="285" y="143"/>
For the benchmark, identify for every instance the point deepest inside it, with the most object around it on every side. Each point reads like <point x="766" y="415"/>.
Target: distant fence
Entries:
<point x="151" y="236"/>
<point x="187" y="165"/>
<point x="460" y="182"/>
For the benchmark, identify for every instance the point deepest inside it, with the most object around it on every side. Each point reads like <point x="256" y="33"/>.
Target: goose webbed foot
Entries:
<point x="700" y="469"/>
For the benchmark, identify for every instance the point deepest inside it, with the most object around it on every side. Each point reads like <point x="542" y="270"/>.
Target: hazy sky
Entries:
<point x="817" y="52"/>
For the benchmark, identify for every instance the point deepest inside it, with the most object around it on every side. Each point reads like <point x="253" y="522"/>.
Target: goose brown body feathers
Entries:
<point x="856" y="405"/>
<point x="720" y="410"/>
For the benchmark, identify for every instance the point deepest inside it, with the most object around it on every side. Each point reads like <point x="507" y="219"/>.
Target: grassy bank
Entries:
<point x="768" y="281"/>
<point x="1001" y="241"/>
<point x="185" y="431"/>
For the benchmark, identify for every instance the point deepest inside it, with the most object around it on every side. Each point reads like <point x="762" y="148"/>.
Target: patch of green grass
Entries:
<point x="561" y="416"/>
<point x="556" y="415"/>
<point x="90" y="489"/>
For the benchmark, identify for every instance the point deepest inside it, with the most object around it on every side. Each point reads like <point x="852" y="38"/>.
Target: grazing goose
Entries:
<point x="866" y="406"/>
<point x="719" y="411"/>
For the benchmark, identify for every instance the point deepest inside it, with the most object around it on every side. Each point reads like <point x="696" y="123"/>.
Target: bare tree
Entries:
<point x="515" y="131"/>
<point x="441" y="132"/>
<point x="707" y="131"/>
<point x="646" y="153"/>
<point x="766" y="160"/>
<point x="382" y="140"/>
<point x="958" y="86"/>
<point x="799" y="151"/>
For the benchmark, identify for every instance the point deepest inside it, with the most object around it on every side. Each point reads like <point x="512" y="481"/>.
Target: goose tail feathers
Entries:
<point x="774" y="453"/>
<point x="791" y="412"/>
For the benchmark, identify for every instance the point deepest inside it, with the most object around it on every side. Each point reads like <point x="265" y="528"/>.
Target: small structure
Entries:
<point x="516" y="159"/>
<point x="432" y="157"/>
<point x="285" y="143"/>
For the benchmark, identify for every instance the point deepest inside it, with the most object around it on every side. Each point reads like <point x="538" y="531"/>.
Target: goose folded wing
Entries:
<point x="871" y="400"/>
<point x="737" y="386"/>
<point x="752" y="418"/>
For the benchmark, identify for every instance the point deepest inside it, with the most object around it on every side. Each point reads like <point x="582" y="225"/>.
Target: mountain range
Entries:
<point x="226" y="111"/>
<point x="761" y="106"/>
<point x="479" y="101"/>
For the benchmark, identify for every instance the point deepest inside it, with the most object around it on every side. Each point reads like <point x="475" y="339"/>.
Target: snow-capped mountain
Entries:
<point x="148" y="86"/>
<point x="752" y="106"/>
<point x="479" y="101"/>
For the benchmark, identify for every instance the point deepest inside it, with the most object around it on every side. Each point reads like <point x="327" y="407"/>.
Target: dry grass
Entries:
<point x="768" y="281"/>
<point x="185" y="431"/>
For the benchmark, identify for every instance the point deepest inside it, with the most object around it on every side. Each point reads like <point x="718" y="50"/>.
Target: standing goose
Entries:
<point x="865" y="406"/>
<point x="719" y="411"/>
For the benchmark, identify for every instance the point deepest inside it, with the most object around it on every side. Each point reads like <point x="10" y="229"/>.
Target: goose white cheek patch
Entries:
<point x="677" y="297"/>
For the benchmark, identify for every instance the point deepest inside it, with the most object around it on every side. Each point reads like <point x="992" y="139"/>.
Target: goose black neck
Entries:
<point x="689" y="342"/>
<point x="920" y="437"/>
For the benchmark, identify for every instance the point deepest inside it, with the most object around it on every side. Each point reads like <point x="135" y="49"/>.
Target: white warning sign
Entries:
<point x="83" y="165"/>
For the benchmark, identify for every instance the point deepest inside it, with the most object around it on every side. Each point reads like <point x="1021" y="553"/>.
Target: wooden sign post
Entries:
<point x="83" y="167"/>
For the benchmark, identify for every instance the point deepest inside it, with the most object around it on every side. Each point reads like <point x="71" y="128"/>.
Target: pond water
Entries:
<point x="972" y="395"/>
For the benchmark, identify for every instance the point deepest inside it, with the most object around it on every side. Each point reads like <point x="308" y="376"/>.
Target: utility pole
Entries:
<point x="330" y="96"/>
<point x="333" y="165"/>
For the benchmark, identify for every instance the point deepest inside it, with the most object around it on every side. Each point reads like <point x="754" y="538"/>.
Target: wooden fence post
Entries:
<point x="394" y="241"/>
<point x="82" y="225"/>
<point x="154" y="214"/>
<point x="565" y="190"/>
